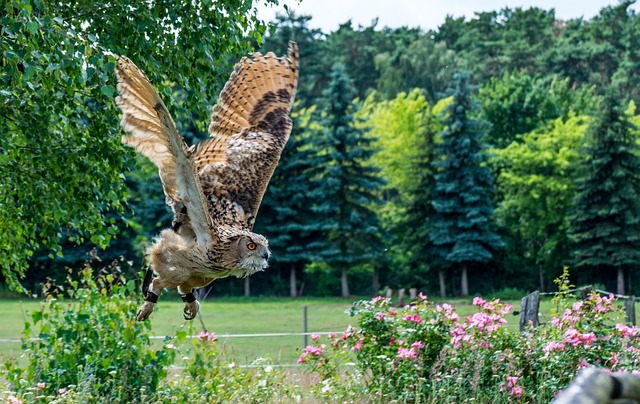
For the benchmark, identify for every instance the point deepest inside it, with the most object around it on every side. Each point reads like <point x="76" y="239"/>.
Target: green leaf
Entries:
<point x="108" y="90"/>
<point x="36" y="316"/>
<point x="32" y="27"/>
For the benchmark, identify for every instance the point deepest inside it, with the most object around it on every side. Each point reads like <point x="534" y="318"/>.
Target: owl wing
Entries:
<point x="249" y="129"/>
<point x="153" y="133"/>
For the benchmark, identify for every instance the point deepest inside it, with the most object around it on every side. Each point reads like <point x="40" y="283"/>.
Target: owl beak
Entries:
<point x="265" y="255"/>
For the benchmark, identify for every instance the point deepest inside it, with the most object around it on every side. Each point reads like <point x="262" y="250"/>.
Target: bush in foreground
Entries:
<point x="426" y="352"/>
<point x="90" y="349"/>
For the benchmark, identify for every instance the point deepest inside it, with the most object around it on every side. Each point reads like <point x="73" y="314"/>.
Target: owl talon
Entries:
<point x="145" y="310"/>
<point x="191" y="310"/>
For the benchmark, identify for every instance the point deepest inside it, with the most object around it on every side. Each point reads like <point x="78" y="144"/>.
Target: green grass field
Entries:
<point x="233" y="316"/>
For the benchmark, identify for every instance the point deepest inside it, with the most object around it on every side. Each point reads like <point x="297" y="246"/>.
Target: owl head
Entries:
<point x="247" y="253"/>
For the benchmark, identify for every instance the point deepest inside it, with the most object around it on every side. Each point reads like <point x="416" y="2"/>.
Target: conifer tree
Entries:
<point x="346" y="186"/>
<point x="461" y="231"/>
<point x="605" y="226"/>
<point x="286" y="217"/>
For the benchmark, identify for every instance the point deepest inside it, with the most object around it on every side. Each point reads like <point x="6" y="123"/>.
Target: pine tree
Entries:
<point x="461" y="231"/>
<point x="286" y="217"/>
<point x="605" y="226"/>
<point x="346" y="186"/>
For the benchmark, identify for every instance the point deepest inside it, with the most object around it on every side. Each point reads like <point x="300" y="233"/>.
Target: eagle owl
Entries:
<point x="215" y="187"/>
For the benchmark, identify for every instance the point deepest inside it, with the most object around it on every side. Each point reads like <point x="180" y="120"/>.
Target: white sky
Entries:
<point x="428" y="14"/>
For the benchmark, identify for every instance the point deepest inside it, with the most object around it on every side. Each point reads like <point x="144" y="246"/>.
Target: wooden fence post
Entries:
<point x="585" y="292"/>
<point x="413" y="293"/>
<point x="389" y="293"/>
<point x="630" y="309"/>
<point x="529" y="308"/>
<point x="400" y="297"/>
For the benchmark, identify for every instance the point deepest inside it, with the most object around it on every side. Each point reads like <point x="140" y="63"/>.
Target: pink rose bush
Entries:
<point x="426" y="351"/>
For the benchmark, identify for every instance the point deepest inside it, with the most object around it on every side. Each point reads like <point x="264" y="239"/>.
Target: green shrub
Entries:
<point x="85" y="345"/>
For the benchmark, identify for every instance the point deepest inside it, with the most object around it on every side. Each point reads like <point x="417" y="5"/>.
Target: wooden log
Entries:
<point x="529" y="308"/>
<point x="594" y="385"/>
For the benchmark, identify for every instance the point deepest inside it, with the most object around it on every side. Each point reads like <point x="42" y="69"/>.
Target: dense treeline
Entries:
<point x="483" y="155"/>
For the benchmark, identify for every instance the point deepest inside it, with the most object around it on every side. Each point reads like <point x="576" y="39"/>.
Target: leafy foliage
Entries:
<point x="536" y="182"/>
<point x="60" y="153"/>
<point x="91" y="341"/>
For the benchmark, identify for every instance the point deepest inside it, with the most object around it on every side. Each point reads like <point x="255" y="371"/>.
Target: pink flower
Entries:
<point x="568" y="317"/>
<point x="40" y="385"/>
<point x="448" y="312"/>
<point x="62" y="391"/>
<point x="575" y="338"/>
<point x="517" y="391"/>
<point x="331" y="335"/>
<point x="14" y="400"/>
<point x="377" y="299"/>
<point x="627" y="331"/>
<point x="480" y="302"/>
<point x="417" y="345"/>
<point x="422" y="296"/>
<point x="350" y="332"/>
<point x="358" y="345"/>
<point x="412" y="317"/>
<point x="512" y="381"/>
<point x="315" y="350"/>
<point x="407" y="353"/>
<point x="315" y="337"/>
<point x="458" y="335"/>
<point x="554" y="346"/>
<point x="207" y="336"/>
<point x="379" y="316"/>
<point x="392" y="312"/>
<point x="577" y="306"/>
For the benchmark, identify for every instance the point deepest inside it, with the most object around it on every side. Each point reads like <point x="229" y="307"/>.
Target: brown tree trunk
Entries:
<point x="375" y="286"/>
<point x="620" y="285"/>
<point x="443" y="286"/>
<point x="293" y="282"/>
<point x="464" y="283"/>
<point x="343" y="281"/>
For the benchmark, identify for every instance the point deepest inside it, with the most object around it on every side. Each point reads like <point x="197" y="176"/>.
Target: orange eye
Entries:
<point x="251" y="246"/>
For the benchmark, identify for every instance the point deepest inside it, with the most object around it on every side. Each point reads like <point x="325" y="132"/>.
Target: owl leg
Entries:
<point x="151" y="290"/>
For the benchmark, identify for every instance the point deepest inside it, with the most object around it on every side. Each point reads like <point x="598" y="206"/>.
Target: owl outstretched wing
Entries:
<point x="249" y="129"/>
<point x="153" y="133"/>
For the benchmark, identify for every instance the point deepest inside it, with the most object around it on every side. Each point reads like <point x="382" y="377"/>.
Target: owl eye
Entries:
<point x="251" y="246"/>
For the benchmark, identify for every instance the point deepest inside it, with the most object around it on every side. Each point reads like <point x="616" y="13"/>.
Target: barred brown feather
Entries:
<point x="250" y="126"/>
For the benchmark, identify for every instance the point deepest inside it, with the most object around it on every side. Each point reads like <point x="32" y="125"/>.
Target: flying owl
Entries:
<point x="215" y="187"/>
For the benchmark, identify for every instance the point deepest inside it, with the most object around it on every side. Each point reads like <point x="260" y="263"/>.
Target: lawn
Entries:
<point x="232" y="316"/>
